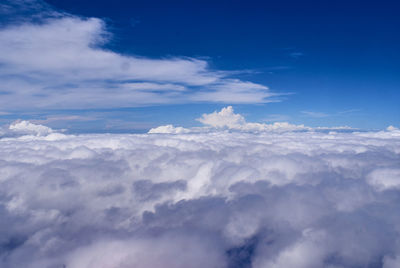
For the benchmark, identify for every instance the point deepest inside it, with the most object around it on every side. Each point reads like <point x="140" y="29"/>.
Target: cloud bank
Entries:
<point x="206" y="199"/>
<point x="57" y="60"/>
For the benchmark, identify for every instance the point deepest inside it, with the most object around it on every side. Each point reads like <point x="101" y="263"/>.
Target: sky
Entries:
<point x="128" y="66"/>
<point x="244" y="134"/>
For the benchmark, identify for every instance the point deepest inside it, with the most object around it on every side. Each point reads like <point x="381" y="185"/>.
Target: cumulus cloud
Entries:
<point x="227" y="119"/>
<point x="199" y="199"/>
<point x="224" y="118"/>
<point x="24" y="128"/>
<point x="59" y="61"/>
<point x="169" y="129"/>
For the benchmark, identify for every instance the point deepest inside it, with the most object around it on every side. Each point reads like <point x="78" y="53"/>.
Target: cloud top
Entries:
<point x="224" y="118"/>
<point x="28" y="128"/>
<point x="225" y="199"/>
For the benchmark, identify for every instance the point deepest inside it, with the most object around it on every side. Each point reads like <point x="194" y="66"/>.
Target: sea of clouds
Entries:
<point x="229" y="194"/>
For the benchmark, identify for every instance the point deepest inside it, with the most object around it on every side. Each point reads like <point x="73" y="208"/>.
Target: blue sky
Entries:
<point x="318" y="63"/>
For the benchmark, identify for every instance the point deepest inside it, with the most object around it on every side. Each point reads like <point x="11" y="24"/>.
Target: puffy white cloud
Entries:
<point x="199" y="199"/>
<point x="169" y="129"/>
<point x="26" y="127"/>
<point x="226" y="118"/>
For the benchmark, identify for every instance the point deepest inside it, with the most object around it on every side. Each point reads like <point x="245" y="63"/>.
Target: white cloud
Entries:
<point x="169" y="129"/>
<point x="26" y="127"/>
<point x="226" y="118"/>
<point x="69" y="47"/>
<point x="392" y="128"/>
<point x="225" y="199"/>
<point x="60" y="62"/>
<point x="234" y="91"/>
<point x="153" y="86"/>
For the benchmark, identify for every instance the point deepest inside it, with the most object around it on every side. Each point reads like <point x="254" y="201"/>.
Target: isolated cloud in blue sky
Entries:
<point x="199" y="199"/>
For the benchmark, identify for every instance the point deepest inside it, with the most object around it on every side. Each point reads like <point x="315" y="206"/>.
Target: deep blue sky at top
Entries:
<point x="340" y="60"/>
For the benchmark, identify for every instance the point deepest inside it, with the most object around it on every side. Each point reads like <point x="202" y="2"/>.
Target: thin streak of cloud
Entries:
<point x="315" y="114"/>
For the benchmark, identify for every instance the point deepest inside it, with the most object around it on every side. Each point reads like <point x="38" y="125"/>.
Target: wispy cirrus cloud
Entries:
<point x="315" y="114"/>
<point x="59" y="60"/>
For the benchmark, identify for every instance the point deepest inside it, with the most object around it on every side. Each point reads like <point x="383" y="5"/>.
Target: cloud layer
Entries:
<point x="59" y="61"/>
<point x="216" y="199"/>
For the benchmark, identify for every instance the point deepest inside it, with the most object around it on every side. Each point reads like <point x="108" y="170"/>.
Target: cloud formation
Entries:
<point x="59" y="61"/>
<point x="24" y="128"/>
<point x="225" y="199"/>
<point x="226" y="118"/>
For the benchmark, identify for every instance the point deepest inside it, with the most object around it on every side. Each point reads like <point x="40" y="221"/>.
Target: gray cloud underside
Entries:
<point x="293" y="199"/>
